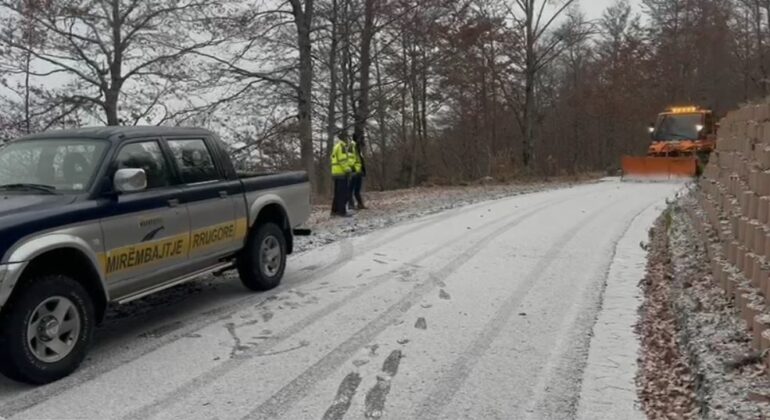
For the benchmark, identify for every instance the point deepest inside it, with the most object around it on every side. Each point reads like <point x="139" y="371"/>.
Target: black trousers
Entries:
<point x="356" y="181"/>
<point x="341" y="192"/>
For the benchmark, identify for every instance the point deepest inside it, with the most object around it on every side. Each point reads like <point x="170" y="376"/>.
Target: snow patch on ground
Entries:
<point x="609" y="389"/>
<point x="730" y="382"/>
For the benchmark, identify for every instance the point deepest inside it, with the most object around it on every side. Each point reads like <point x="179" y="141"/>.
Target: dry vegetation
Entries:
<point x="667" y="386"/>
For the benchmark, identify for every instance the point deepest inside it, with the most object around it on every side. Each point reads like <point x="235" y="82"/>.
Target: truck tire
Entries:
<point x="262" y="262"/>
<point x="46" y="330"/>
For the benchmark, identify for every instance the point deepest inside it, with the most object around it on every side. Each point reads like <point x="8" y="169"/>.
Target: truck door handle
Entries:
<point x="223" y="194"/>
<point x="174" y="202"/>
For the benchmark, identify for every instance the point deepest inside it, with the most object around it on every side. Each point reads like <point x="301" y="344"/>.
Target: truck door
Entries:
<point x="146" y="236"/>
<point x="214" y="230"/>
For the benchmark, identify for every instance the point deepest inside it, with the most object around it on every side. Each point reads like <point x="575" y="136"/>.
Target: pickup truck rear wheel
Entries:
<point x="263" y="260"/>
<point x="46" y="330"/>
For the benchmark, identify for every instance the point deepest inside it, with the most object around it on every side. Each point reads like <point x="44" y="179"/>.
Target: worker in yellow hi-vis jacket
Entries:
<point x="341" y="169"/>
<point x="357" y="177"/>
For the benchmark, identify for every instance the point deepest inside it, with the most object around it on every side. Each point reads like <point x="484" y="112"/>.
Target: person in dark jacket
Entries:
<point x="357" y="176"/>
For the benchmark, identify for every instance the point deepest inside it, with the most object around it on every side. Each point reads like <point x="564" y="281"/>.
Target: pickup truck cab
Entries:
<point x="112" y="214"/>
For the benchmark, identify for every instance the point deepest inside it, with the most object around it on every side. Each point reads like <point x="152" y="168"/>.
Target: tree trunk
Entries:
<point x="111" y="107"/>
<point x="331" y="125"/>
<point x="345" y="65"/>
<point x="404" y="87"/>
<point x="424" y="103"/>
<point x="493" y="119"/>
<point x="362" y="111"/>
<point x="27" y="93"/>
<point x="112" y="92"/>
<point x="30" y="9"/>
<point x="303" y="23"/>
<point x="529" y="94"/>
<point x="415" y="115"/>
<point x="382" y="130"/>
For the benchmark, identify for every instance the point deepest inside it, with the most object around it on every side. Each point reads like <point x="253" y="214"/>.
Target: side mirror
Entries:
<point x="128" y="180"/>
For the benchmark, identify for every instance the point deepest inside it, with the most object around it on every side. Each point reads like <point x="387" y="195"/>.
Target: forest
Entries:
<point x="436" y="91"/>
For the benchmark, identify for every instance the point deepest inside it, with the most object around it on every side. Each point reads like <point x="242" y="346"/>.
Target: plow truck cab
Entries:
<point x="682" y="138"/>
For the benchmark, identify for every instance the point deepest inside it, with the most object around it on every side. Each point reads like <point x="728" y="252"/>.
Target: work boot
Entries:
<point x="361" y="206"/>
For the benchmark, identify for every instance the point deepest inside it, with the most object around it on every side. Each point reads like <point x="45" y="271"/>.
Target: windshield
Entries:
<point x="678" y="127"/>
<point x="67" y="165"/>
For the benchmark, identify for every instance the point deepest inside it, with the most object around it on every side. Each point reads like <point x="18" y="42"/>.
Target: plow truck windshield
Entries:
<point x="678" y="127"/>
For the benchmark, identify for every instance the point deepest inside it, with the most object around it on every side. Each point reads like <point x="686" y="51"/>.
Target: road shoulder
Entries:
<point x="608" y="388"/>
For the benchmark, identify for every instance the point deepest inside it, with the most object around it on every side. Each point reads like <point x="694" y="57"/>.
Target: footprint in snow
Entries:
<point x="421" y="324"/>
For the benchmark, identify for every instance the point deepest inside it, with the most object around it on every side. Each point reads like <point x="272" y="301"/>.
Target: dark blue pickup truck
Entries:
<point x="112" y="214"/>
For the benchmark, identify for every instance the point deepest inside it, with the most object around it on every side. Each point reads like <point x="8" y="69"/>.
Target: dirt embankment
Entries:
<point x="666" y="385"/>
<point x="697" y="359"/>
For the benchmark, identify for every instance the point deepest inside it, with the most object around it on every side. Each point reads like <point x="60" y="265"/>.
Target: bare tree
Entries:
<point x="533" y="21"/>
<point x="114" y="52"/>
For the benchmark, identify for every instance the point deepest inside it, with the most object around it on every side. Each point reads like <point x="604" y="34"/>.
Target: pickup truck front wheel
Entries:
<point x="263" y="260"/>
<point x="46" y="331"/>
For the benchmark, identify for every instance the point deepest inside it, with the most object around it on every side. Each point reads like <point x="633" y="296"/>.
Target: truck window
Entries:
<point x="145" y="155"/>
<point x="677" y="127"/>
<point x="68" y="165"/>
<point x="193" y="160"/>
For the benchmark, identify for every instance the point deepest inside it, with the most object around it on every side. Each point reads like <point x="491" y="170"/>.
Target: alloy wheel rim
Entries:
<point x="53" y="329"/>
<point x="270" y="256"/>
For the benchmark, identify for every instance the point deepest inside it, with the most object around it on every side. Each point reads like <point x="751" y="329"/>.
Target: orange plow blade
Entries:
<point x="659" y="168"/>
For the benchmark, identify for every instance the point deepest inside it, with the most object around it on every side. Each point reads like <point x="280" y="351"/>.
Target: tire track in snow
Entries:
<point x="348" y="251"/>
<point x="178" y="329"/>
<point x="283" y="400"/>
<point x="450" y="383"/>
<point x="233" y="364"/>
<point x="578" y="340"/>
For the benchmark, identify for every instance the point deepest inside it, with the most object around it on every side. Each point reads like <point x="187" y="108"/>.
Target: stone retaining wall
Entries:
<point x="735" y="195"/>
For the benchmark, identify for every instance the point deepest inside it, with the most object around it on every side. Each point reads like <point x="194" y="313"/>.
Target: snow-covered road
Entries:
<point x="485" y="311"/>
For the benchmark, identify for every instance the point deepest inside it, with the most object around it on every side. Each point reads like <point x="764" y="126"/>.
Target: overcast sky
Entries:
<point x="594" y="8"/>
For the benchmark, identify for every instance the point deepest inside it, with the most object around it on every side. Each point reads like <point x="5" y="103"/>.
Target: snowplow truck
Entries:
<point x="682" y="140"/>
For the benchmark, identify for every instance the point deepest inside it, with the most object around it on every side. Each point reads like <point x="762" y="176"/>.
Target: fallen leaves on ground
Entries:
<point x="666" y="383"/>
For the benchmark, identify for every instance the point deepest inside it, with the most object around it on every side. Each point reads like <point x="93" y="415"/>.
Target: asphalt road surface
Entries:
<point x="484" y="311"/>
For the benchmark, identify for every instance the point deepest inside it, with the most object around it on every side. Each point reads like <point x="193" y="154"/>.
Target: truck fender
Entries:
<point x="263" y="201"/>
<point x="32" y="248"/>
